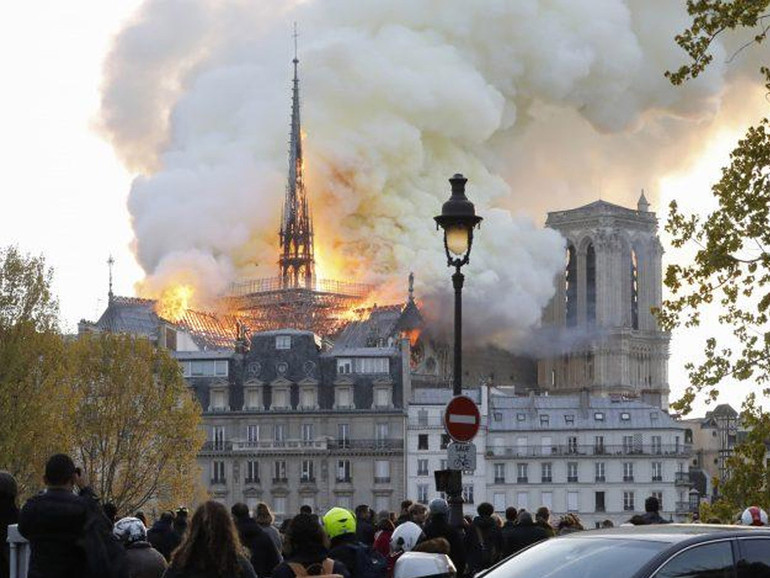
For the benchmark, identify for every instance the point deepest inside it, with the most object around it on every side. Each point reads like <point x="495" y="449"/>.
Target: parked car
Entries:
<point x="655" y="551"/>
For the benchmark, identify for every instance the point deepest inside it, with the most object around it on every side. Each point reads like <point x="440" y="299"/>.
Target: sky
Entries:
<point x="66" y="191"/>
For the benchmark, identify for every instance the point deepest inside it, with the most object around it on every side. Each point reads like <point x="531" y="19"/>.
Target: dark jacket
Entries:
<point x="163" y="538"/>
<point x="307" y="557"/>
<point x="9" y="514"/>
<point x="653" y="518"/>
<point x="144" y="561"/>
<point x="264" y="556"/>
<point x="364" y="532"/>
<point x="438" y="527"/>
<point x="53" y="522"/>
<point x="520" y="536"/>
<point x="489" y="542"/>
<point x="341" y="551"/>
<point x="246" y="572"/>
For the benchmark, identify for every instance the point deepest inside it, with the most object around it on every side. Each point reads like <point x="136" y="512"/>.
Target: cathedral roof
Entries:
<point x="600" y="208"/>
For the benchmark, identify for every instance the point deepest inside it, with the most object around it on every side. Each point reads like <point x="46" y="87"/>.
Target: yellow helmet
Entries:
<point x="339" y="521"/>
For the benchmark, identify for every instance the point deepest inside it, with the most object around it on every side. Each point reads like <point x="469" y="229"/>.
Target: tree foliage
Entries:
<point x="732" y="263"/>
<point x="136" y="427"/>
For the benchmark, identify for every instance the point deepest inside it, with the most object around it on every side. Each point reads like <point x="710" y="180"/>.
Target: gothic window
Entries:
<point x="634" y="290"/>
<point x="570" y="287"/>
<point x="591" y="285"/>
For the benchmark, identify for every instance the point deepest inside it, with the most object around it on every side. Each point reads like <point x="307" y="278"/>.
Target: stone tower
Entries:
<point x="297" y="260"/>
<point x="600" y="331"/>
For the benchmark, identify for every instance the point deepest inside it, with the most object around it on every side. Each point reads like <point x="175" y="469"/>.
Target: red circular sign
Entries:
<point x="462" y="418"/>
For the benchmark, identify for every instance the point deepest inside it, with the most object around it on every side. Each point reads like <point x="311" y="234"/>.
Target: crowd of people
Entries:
<point x="72" y="535"/>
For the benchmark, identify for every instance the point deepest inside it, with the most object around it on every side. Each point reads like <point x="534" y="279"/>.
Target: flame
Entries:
<point x="174" y="302"/>
<point x="413" y="335"/>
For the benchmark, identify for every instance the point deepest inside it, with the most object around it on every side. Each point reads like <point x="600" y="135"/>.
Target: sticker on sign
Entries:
<point x="461" y="456"/>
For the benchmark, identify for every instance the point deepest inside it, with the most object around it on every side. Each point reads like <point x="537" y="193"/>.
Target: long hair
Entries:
<point x="263" y="515"/>
<point x="211" y="544"/>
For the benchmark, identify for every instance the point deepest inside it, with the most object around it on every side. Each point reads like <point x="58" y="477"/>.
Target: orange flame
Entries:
<point x="413" y="335"/>
<point x="174" y="302"/>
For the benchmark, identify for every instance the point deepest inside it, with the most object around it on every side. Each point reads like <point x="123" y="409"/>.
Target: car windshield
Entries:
<point x="580" y="558"/>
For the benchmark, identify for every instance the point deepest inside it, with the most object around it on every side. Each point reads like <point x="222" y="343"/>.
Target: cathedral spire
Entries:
<point x="297" y="262"/>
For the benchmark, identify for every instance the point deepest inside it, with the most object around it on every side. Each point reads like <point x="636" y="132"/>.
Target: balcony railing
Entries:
<point x="280" y="480"/>
<point x="682" y="478"/>
<point x="375" y="444"/>
<point x="499" y="480"/>
<point x="546" y="480"/>
<point x="657" y="478"/>
<point x="628" y="478"/>
<point x="251" y="481"/>
<point x="218" y="481"/>
<point x="344" y="479"/>
<point x="589" y="450"/>
<point x="382" y="479"/>
<point x="307" y="480"/>
<point x="280" y="445"/>
<point x="572" y="479"/>
<point x="600" y="479"/>
<point x="218" y="446"/>
<point x="300" y="446"/>
<point x="521" y="480"/>
<point x="422" y="472"/>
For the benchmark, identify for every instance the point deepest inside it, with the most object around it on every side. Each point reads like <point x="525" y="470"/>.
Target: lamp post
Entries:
<point x="458" y="219"/>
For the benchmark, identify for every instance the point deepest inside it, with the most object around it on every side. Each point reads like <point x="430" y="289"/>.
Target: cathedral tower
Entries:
<point x="297" y="261"/>
<point x="610" y="342"/>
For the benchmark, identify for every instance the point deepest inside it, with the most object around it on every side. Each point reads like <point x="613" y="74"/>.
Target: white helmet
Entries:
<point x="405" y="537"/>
<point x="422" y="564"/>
<point x="754" y="516"/>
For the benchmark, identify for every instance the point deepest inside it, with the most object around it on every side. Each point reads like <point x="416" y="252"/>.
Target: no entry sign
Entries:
<point x="462" y="418"/>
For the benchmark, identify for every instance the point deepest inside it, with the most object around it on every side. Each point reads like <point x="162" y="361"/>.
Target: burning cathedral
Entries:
<point x="306" y="389"/>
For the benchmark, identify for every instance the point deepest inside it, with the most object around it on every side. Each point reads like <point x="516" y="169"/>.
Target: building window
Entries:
<point x="521" y="473"/>
<point x="499" y="473"/>
<point x="381" y="503"/>
<point x="545" y="420"/>
<point x="628" y="501"/>
<point x="628" y="471"/>
<point x="280" y="398"/>
<point x="591" y="285"/>
<point x="279" y="434"/>
<point x="657" y="446"/>
<point x="599" y="416"/>
<point x="599" y="471"/>
<point x="343" y="397"/>
<point x="659" y="496"/>
<point x="307" y="474"/>
<point x="569" y="419"/>
<point x="572" y="501"/>
<point x="343" y="435"/>
<point x="382" y="472"/>
<point x="445" y="439"/>
<point x="572" y="472"/>
<point x="521" y="417"/>
<point x="252" y="433"/>
<point x="344" y="366"/>
<point x="598" y="445"/>
<point x="382" y="433"/>
<point x="307" y="434"/>
<point x="468" y="493"/>
<point x="628" y="444"/>
<point x="279" y="471"/>
<point x="343" y="471"/>
<point x="498" y="416"/>
<point x="625" y="416"/>
<point x="522" y="500"/>
<point x="572" y="445"/>
<point x="498" y="501"/>
<point x="279" y="505"/>
<point x="422" y="493"/>
<point x="634" y="290"/>
<point x="218" y="400"/>
<point x="218" y="472"/>
<point x="253" y="397"/>
<point x="570" y="286"/>
<point x="308" y="397"/>
<point x="205" y="368"/>
<point x="422" y="417"/>
<point x="218" y="437"/>
<point x="382" y="396"/>
<point x="546" y="499"/>
<point x="422" y="467"/>
<point x="422" y="441"/>
<point x="657" y="472"/>
<point x="546" y="472"/>
<point x="283" y="341"/>
<point x="599" y="502"/>
<point x="252" y="472"/>
<point x="444" y="464"/>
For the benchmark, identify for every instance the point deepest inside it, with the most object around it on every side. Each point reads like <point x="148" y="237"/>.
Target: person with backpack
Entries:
<point x="489" y="536"/>
<point x="264" y="556"/>
<point x="69" y="535"/>
<point x="361" y="560"/>
<point x="438" y="526"/>
<point x="307" y="552"/>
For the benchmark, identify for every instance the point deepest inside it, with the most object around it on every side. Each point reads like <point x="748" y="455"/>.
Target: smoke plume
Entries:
<point x="542" y="105"/>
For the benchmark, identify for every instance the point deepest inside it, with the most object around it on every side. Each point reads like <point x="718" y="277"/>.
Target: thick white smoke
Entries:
<point x="542" y="105"/>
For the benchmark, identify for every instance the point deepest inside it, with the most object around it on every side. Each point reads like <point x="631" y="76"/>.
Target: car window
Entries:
<point x="706" y="561"/>
<point x="755" y="558"/>
<point x="580" y="558"/>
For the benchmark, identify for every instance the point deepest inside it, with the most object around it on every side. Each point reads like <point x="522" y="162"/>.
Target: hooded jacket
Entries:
<point x="264" y="556"/>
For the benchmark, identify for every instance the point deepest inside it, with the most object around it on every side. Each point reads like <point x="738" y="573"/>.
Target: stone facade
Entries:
<point x="603" y="334"/>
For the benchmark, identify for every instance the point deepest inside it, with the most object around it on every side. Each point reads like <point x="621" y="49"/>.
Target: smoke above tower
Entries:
<point x="542" y="105"/>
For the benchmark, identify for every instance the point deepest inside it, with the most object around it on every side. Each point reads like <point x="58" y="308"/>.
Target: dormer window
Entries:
<point x="599" y="416"/>
<point x="343" y="397"/>
<point x="625" y="416"/>
<point x="521" y="417"/>
<point x="283" y="341"/>
<point x="382" y="396"/>
<point x="308" y="397"/>
<point x="569" y="419"/>
<point x="544" y="419"/>
<point x="344" y="366"/>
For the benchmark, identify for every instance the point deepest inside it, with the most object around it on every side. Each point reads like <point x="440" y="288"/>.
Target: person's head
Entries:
<point x="140" y="516"/>
<point x="130" y="530"/>
<point x="59" y="471"/>
<point x="651" y="505"/>
<point x="607" y="524"/>
<point x="8" y="489"/>
<point x="525" y="519"/>
<point x="305" y="534"/>
<point x="497" y="520"/>
<point x="543" y="514"/>
<point x="263" y="514"/>
<point x="111" y="511"/>
<point x="240" y="511"/>
<point x="362" y="511"/>
<point x="384" y="515"/>
<point x="305" y="509"/>
<point x="182" y="513"/>
<point x="511" y="513"/>
<point x="339" y="522"/>
<point x="211" y="544"/>
<point x="485" y="509"/>
<point x="167" y="517"/>
<point x="438" y="508"/>
<point x="386" y="525"/>
<point x="418" y="513"/>
<point x="405" y="537"/>
<point x="754" y="516"/>
<point x="405" y="505"/>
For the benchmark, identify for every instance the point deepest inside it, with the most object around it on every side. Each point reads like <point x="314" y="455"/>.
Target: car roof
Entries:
<point x="671" y="533"/>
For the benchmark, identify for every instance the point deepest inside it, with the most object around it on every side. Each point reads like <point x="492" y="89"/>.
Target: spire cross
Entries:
<point x="110" y="263"/>
<point x="295" y="35"/>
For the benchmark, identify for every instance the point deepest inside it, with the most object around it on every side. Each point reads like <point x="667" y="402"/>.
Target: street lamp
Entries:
<point x="458" y="219"/>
